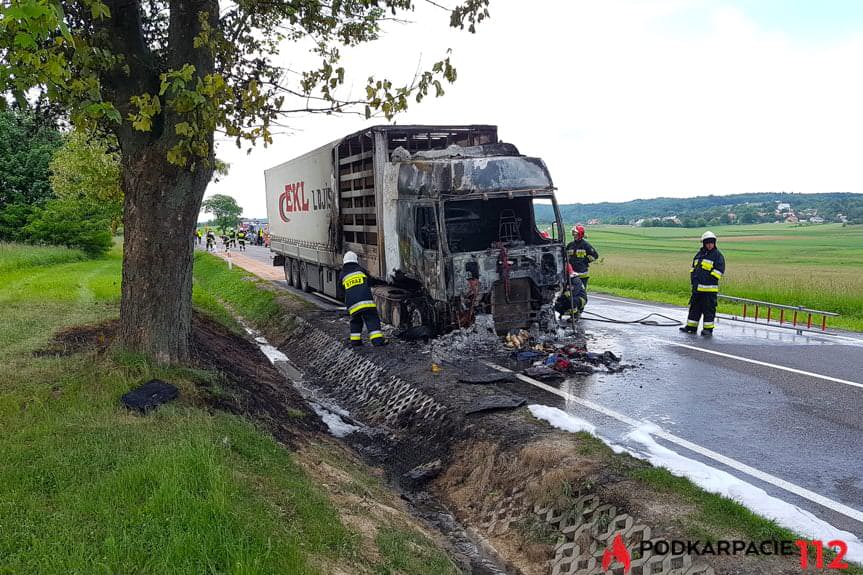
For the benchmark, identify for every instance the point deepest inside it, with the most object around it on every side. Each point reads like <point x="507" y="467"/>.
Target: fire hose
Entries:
<point x="643" y="320"/>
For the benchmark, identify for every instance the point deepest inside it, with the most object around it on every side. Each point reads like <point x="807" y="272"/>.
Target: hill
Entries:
<point x="713" y="210"/>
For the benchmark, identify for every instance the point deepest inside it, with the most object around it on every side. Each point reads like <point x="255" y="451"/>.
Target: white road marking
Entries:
<point x="765" y="364"/>
<point x="694" y="447"/>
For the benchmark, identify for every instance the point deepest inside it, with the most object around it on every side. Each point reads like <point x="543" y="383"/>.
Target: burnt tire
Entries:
<point x="420" y="314"/>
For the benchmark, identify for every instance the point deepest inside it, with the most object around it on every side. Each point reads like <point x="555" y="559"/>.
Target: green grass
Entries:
<point x="86" y="487"/>
<point x="214" y="282"/>
<point x="13" y="257"/>
<point x="819" y="267"/>
<point x="408" y="553"/>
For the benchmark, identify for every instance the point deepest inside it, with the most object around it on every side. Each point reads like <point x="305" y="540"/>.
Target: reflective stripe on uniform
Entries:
<point x="580" y="253"/>
<point x="716" y="273"/>
<point x="356" y="336"/>
<point x="707" y="264"/>
<point x="691" y="270"/>
<point x="708" y="326"/>
<point x="353" y="279"/>
<point x="375" y="334"/>
<point x="584" y="275"/>
<point x="707" y="288"/>
<point x="691" y="323"/>
<point x="361" y="305"/>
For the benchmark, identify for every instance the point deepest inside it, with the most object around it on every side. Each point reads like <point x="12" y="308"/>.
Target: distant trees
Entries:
<point x="714" y="210"/>
<point x="27" y="144"/>
<point x="225" y="210"/>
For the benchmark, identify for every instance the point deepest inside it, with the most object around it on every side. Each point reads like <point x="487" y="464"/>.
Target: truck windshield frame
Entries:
<point x="476" y="223"/>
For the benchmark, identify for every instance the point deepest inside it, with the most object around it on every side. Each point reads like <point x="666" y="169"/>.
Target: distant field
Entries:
<point x="819" y="266"/>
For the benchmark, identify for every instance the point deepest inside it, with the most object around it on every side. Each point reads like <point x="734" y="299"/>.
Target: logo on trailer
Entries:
<point x="294" y="199"/>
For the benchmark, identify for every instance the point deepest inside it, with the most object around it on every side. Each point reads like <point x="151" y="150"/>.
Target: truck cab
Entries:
<point x="470" y="240"/>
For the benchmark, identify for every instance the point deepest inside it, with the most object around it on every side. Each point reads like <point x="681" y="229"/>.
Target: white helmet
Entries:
<point x="708" y="235"/>
<point x="350" y="258"/>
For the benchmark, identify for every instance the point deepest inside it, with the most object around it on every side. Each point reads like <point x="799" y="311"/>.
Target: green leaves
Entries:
<point x="235" y="84"/>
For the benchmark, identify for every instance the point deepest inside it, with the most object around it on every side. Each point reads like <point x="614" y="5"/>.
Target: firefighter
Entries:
<point x="708" y="265"/>
<point x="211" y="241"/>
<point x="358" y="300"/>
<point x="198" y="235"/>
<point x="580" y="254"/>
<point x="573" y="298"/>
<point x="241" y="237"/>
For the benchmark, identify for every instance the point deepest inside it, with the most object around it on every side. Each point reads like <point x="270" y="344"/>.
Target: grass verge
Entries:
<point x="88" y="487"/>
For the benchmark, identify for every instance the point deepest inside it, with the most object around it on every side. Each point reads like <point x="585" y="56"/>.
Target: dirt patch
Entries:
<point x="251" y="385"/>
<point x="93" y="337"/>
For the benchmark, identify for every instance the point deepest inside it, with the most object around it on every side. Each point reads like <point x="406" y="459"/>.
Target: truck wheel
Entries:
<point x="304" y="268"/>
<point x="288" y="272"/>
<point x="295" y="273"/>
<point x="419" y="312"/>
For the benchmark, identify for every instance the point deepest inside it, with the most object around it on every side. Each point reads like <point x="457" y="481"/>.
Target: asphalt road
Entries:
<point x="779" y="410"/>
<point x="774" y="401"/>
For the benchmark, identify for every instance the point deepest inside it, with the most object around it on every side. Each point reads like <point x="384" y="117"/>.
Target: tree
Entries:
<point x="164" y="75"/>
<point x="27" y="142"/>
<point x="87" y="167"/>
<point x="80" y="223"/>
<point x="225" y="209"/>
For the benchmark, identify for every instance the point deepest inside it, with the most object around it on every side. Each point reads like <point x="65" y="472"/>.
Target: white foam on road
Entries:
<point x="561" y="419"/>
<point x="754" y="498"/>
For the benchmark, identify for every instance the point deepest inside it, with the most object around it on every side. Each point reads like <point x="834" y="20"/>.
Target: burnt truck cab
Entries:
<point x="468" y="240"/>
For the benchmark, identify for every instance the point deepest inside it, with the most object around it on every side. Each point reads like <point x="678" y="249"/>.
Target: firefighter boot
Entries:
<point x="707" y="332"/>
<point x="688" y="329"/>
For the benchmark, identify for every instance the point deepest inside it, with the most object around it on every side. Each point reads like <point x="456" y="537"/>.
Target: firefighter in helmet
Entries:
<point x="358" y="300"/>
<point x="580" y="253"/>
<point x="708" y="265"/>
<point x="573" y="298"/>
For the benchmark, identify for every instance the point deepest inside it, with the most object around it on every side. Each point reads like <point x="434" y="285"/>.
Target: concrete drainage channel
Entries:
<point x="410" y="433"/>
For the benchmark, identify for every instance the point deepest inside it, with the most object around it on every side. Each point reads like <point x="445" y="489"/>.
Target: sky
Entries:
<point x="623" y="99"/>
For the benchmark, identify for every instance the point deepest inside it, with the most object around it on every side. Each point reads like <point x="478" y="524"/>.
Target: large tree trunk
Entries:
<point x="160" y="213"/>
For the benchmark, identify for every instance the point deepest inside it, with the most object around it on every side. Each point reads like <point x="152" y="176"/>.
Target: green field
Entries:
<point x="817" y="266"/>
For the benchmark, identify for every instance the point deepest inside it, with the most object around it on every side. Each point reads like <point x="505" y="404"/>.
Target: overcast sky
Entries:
<point x="627" y="99"/>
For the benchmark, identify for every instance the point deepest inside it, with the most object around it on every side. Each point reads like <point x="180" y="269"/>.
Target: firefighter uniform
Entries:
<point x="241" y="236"/>
<point x="580" y="253"/>
<point x="707" y="269"/>
<point x="361" y="307"/>
<point x="573" y="298"/>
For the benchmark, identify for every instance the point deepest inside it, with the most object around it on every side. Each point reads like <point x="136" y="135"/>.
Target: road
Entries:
<point x="779" y="410"/>
<point x="782" y="411"/>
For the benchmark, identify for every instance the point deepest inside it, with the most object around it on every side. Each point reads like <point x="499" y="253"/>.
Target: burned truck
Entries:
<point x="446" y="216"/>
